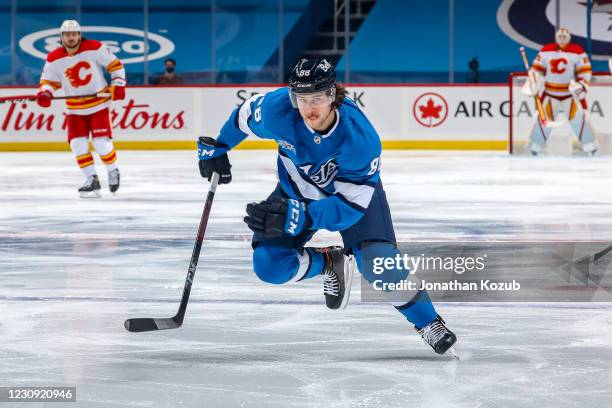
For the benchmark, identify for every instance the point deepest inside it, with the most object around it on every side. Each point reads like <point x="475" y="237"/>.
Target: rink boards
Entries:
<point x="442" y="116"/>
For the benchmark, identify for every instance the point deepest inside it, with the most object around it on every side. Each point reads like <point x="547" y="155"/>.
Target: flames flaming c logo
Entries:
<point x="74" y="74"/>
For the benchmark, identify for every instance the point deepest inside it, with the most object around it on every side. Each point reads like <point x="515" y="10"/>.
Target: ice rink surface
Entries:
<point x="72" y="270"/>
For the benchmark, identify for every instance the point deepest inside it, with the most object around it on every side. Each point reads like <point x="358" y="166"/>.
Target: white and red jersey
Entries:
<point x="82" y="74"/>
<point x="559" y="66"/>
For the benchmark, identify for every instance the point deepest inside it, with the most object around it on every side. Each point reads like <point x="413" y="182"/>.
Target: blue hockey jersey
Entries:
<point x="334" y="173"/>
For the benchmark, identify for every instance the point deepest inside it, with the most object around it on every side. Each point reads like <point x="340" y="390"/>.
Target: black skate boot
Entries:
<point x="113" y="181"/>
<point x="91" y="188"/>
<point x="437" y="335"/>
<point x="337" y="276"/>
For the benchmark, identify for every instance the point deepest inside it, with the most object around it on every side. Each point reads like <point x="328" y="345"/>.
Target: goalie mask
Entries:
<point x="312" y="82"/>
<point x="563" y="37"/>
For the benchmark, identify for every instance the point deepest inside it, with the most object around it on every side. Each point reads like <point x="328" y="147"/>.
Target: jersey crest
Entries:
<point x="558" y="65"/>
<point x="325" y="174"/>
<point x="75" y="75"/>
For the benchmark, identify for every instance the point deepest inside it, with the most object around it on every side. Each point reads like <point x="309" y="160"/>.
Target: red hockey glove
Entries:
<point x="43" y="99"/>
<point x="117" y="92"/>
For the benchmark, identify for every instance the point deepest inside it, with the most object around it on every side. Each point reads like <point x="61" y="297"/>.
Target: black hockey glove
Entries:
<point x="213" y="158"/>
<point x="277" y="216"/>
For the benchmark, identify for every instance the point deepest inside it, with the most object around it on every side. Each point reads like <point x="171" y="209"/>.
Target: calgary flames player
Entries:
<point x="77" y="67"/>
<point x="562" y="72"/>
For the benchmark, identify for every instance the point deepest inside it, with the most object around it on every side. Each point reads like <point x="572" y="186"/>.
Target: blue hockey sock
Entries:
<point x="316" y="263"/>
<point x="419" y="311"/>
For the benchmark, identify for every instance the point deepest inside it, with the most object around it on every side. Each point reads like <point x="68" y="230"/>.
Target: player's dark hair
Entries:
<point x="341" y="92"/>
<point x="170" y="60"/>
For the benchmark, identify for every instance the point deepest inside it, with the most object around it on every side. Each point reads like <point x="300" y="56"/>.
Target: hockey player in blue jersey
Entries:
<point x="329" y="178"/>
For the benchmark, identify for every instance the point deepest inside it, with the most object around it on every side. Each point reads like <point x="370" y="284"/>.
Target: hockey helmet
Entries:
<point x="70" y="26"/>
<point x="311" y="76"/>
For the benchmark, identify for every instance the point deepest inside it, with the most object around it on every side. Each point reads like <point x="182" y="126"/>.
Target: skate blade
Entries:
<point x="453" y="353"/>
<point x="90" y="194"/>
<point x="348" y="281"/>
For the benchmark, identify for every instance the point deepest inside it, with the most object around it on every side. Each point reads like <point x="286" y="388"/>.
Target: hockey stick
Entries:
<point x="144" y="324"/>
<point x="601" y="253"/>
<point x="24" y="98"/>
<point x="536" y="98"/>
<point x="584" y="264"/>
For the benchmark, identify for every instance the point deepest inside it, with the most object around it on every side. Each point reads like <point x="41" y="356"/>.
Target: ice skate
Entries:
<point x="337" y="276"/>
<point x="437" y="335"/>
<point x="91" y="188"/>
<point x="113" y="180"/>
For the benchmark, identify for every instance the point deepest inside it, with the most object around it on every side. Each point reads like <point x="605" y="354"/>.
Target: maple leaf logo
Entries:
<point x="432" y="109"/>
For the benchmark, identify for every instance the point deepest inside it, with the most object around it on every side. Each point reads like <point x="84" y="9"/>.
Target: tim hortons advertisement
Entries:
<point x="145" y="114"/>
<point x="405" y="116"/>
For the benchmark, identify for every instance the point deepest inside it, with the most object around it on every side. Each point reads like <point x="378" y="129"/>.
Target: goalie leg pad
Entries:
<point x="584" y="132"/>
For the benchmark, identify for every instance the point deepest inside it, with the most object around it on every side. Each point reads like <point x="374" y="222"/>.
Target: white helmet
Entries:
<point x="563" y="37"/>
<point x="70" y="26"/>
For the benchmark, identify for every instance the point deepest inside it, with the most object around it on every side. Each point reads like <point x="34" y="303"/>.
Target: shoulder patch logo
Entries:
<point x="287" y="146"/>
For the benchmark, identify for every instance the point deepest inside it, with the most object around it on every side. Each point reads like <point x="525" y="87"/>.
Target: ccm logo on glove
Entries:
<point x="295" y="221"/>
<point x="277" y="216"/>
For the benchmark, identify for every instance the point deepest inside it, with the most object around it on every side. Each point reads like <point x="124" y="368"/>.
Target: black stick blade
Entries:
<point x="145" y="324"/>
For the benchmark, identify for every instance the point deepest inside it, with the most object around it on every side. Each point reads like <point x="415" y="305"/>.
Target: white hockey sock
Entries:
<point x="84" y="158"/>
<point x="104" y="147"/>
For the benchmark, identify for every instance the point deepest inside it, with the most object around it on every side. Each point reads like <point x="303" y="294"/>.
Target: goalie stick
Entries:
<point x="536" y="98"/>
<point x="144" y="324"/>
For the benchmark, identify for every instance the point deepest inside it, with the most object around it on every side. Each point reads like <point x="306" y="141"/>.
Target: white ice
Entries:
<point x="72" y="270"/>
